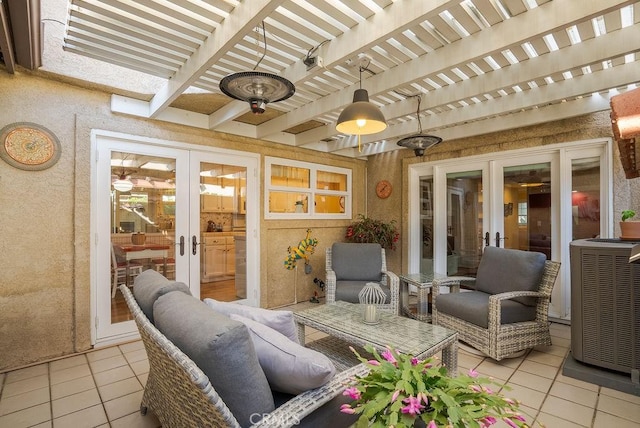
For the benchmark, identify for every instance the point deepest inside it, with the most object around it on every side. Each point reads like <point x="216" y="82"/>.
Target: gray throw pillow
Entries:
<point x="150" y="285"/>
<point x="222" y="349"/>
<point x="357" y="262"/>
<point x="289" y="367"/>
<point x="502" y="270"/>
<point x="281" y="321"/>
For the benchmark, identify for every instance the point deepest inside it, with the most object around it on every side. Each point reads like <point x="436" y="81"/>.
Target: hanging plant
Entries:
<point x="368" y="230"/>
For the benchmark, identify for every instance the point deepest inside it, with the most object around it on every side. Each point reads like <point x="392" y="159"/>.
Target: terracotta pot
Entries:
<point x="630" y="230"/>
<point x="138" y="238"/>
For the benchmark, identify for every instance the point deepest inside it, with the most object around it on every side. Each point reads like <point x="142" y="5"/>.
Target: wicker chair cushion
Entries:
<point x="289" y="367"/>
<point x="221" y="348"/>
<point x="502" y="270"/>
<point x="149" y="286"/>
<point x="281" y="321"/>
<point x="473" y="307"/>
<point x="359" y="262"/>
<point x="347" y="291"/>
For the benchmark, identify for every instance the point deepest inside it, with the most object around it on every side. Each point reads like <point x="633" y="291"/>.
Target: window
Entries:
<point x="522" y="213"/>
<point x="306" y="190"/>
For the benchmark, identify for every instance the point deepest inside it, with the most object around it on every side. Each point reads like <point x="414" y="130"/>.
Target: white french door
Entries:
<point x="148" y="213"/>
<point x="533" y="200"/>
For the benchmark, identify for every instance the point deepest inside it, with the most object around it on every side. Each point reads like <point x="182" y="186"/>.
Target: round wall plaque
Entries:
<point x="29" y="146"/>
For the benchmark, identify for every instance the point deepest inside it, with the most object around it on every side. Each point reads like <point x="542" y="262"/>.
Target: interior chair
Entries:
<point x="505" y="309"/>
<point x="349" y="266"/>
<point x="170" y="263"/>
<point x="122" y="272"/>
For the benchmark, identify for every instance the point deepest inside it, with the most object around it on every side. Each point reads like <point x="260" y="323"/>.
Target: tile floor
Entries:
<point x="103" y="388"/>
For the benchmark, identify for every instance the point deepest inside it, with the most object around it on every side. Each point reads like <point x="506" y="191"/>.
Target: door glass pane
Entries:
<point x="585" y="198"/>
<point x="223" y="192"/>
<point x="426" y="224"/>
<point x="142" y="221"/>
<point x="464" y="222"/>
<point x="527" y="208"/>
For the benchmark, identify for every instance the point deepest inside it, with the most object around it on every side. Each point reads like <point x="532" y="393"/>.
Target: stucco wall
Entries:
<point x="45" y="218"/>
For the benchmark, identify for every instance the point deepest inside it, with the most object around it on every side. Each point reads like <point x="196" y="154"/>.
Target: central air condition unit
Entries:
<point x="605" y="305"/>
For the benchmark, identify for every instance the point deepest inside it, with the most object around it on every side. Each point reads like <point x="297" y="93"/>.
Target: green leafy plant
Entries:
<point x="400" y="390"/>
<point x="368" y="230"/>
<point x="628" y="214"/>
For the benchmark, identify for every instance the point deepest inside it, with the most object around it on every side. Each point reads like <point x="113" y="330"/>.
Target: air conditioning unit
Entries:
<point x="605" y="305"/>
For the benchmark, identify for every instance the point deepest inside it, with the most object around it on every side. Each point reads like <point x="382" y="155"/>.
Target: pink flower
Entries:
<point x="387" y="355"/>
<point x="432" y="424"/>
<point x="374" y="362"/>
<point x="415" y="361"/>
<point x="510" y="422"/>
<point x="488" y="421"/>
<point x="413" y="406"/>
<point x="352" y="392"/>
<point x="424" y="397"/>
<point x="475" y="388"/>
<point x="395" y="395"/>
<point x="487" y="390"/>
<point x="346" y="408"/>
<point x="473" y="373"/>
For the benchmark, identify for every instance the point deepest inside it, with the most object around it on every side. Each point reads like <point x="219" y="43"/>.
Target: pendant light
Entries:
<point x="419" y="142"/>
<point x="256" y="87"/>
<point x="361" y="117"/>
<point x="123" y="184"/>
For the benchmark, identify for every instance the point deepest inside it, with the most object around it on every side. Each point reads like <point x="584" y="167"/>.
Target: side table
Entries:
<point x="422" y="282"/>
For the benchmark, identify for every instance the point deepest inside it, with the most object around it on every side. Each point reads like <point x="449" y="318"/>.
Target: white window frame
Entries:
<point x="311" y="191"/>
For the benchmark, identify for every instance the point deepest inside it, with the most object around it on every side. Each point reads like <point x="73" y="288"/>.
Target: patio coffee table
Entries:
<point x="344" y="321"/>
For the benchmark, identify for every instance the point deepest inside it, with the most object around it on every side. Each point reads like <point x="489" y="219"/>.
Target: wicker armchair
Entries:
<point x="349" y="266"/>
<point x="181" y="395"/>
<point x="493" y="320"/>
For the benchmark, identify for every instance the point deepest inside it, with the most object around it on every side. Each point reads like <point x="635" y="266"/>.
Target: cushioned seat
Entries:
<point x="508" y="310"/>
<point x="349" y="266"/>
<point x="206" y="369"/>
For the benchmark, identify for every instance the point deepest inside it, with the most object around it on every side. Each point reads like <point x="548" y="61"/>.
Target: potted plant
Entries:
<point x="629" y="230"/>
<point x="402" y="391"/>
<point x="368" y="230"/>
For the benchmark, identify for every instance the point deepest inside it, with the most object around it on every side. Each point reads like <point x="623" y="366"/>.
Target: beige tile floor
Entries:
<point x="103" y="388"/>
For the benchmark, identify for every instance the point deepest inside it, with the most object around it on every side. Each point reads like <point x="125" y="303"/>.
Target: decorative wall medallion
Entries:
<point x="29" y="146"/>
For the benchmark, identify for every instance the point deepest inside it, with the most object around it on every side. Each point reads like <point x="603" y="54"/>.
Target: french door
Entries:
<point x="523" y="200"/>
<point x="153" y="204"/>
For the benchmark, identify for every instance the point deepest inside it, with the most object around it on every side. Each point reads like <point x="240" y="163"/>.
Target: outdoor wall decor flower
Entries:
<point x="368" y="230"/>
<point x="401" y="391"/>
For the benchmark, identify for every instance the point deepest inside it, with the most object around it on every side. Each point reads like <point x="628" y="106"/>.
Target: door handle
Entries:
<point x="194" y="245"/>
<point x="498" y="239"/>
<point x="486" y="239"/>
<point x="181" y="245"/>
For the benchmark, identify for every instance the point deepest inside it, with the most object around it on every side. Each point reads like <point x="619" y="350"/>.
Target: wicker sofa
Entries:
<point x="182" y="394"/>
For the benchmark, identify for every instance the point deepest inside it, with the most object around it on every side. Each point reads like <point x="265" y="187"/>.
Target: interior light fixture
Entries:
<point x="122" y="184"/>
<point x="419" y="142"/>
<point x="256" y="87"/>
<point x="361" y="117"/>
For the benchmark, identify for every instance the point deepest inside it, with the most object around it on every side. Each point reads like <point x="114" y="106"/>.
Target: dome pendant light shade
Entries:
<point x="419" y="143"/>
<point x="122" y="184"/>
<point x="361" y="117"/>
<point x="257" y="88"/>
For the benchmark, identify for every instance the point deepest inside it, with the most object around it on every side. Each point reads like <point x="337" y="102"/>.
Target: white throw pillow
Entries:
<point x="289" y="366"/>
<point x="281" y="321"/>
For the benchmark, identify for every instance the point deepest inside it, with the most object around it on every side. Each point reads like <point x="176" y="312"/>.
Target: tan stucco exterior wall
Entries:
<point x="45" y="219"/>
